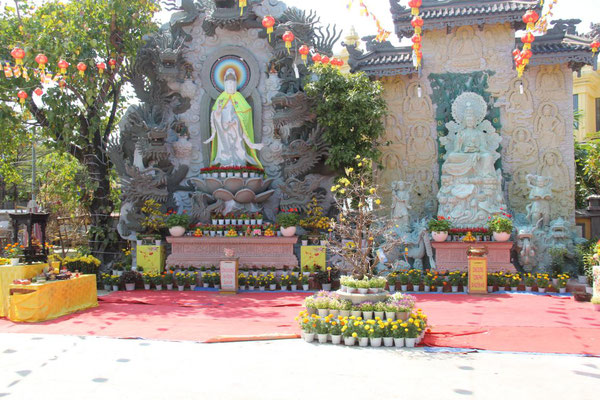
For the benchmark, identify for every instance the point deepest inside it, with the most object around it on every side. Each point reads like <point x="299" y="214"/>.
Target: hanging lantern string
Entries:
<point x="541" y="25"/>
<point x="382" y="34"/>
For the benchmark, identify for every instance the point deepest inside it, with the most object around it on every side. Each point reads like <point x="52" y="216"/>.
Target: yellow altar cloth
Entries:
<point x="8" y="274"/>
<point x="52" y="299"/>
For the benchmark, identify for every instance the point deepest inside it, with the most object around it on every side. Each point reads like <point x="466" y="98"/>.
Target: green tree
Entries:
<point x="80" y="113"/>
<point x="350" y="108"/>
<point x="587" y="170"/>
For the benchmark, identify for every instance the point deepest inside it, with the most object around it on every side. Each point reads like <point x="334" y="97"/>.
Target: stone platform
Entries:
<point x="206" y="251"/>
<point x="452" y="256"/>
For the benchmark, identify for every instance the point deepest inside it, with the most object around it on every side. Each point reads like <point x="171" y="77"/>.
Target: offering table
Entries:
<point x="452" y="256"/>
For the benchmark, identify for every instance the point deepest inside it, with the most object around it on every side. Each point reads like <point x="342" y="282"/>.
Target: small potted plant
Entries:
<point x="501" y="226"/>
<point x="542" y="282"/>
<point x="177" y="223"/>
<point x="563" y="279"/>
<point x="13" y="252"/>
<point x="259" y="218"/>
<point x="304" y="281"/>
<point x="129" y="278"/>
<point x="439" y="228"/>
<point x="288" y="222"/>
<point x="147" y="278"/>
<point x="115" y="280"/>
<point x="157" y="280"/>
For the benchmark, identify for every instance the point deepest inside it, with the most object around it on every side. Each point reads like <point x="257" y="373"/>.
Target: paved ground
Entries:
<point x="74" y="367"/>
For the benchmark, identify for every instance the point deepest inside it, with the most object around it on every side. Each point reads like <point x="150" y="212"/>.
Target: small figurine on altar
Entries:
<point x="469" y="237"/>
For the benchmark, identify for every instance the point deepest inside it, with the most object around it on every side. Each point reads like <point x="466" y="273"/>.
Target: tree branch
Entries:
<point x="113" y="112"/>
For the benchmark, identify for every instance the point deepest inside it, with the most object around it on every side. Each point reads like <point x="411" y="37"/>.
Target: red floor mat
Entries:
<point x="504" y="322"/>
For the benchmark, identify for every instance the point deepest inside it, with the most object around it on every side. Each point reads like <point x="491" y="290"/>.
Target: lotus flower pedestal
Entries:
<point x="236" y="193"/>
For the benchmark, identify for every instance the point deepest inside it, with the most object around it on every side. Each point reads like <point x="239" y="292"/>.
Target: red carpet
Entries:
<point x="503" y="322"/>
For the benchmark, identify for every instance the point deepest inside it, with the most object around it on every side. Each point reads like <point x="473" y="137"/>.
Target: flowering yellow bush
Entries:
<point x="315" y="220"/>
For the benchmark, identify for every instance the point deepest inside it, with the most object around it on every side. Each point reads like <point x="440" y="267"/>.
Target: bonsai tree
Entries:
<point x="154" y="220"/>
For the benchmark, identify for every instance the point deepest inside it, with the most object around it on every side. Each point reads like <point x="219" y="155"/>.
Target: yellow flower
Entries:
<point x="360" y="164"/>
<point x="372" y="190"/>
<point x="378" y="202"/>
<point x="354" y="335"/>
<point x="367" y="327"/>
<point x="358" y="157"/>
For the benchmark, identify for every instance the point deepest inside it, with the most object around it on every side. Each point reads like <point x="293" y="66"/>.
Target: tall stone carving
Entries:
<point x="549" y="126"/>
<point x="471" y="185"/>
<point x="538" y="211"/>
<point x="400" y="205"/>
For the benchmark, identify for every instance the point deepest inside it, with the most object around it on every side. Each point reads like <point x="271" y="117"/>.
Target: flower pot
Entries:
<point x="542" y="290"/>
<point x="399" y="342"/>
<point x="283" y="287"/>
<point x="289" y="231"/>
<point x="589" y="290"/>
<point x="169" y="286"/>
<point x="139" y="242"/>
<point x="390" y="315"/>
<point x="130" y="286"/>
<point x="439" y="236"/>
<point x="215" y="221"/>
<point x="363" y="290"/>
<point x="14" y="261"/>
<point x="363" y="341"/>
<point x="513" y="288"/>
<point x="177" y="231"/>
<point x="107" y="287"/>
<point x="349" y="341"/>
<point x="356" y="313"/>
<point x="582" y="279"/>
<point x="205" y="285"/>
<point x="376" y="342"/>
<point x="367" y="314"/>
<point x="213" y="233"/>
<point x="501" y="236"/>
<point x="562" y="290"/>
<point x="528" y="288"/>
<point x="305" y="287"/>
<point x="403" y="288"/>
<point x="380" y="314"/>
<point x="261" y="288"/>
<point x="402" y="315"/>
<point x="454" y="289"/>
<point x="351" y="289"/>
<point x="221" y="222"/>
<point x="294" y="287"/>
<point x="440" y="289"/>
<point x="388" y="341"/>
<point x="272" y="286"/>
<point x="322" y="337"/>
<point x="181" y="288"/>
<point x="326" y="286"/>
<point x="192" y="287"/>
<point x="305" y="243"/>
<point x="252" y="222"/>
<point x="410" y="342"/>
<point x="490" y="289"/>
<point x="335" y="313"/>
<point x="323" y="312"/>
<point x="344" y="313"/>
<point x="146" y="286"/>
<point x="218" y="286"/>
<point x="336" y="339"/>
<point x="250" y="287"/>
<point x="427" y="288"/>
<point x="309" y="337"/>
<point x="324" y="242"/>
<point x="158" y="287"/>
<point x="115" y="288"/>
<point x="246" y="222"/>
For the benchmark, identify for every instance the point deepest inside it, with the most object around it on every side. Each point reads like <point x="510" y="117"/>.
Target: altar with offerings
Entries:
<point x="38" y="302"/>
<point x="10" y="273"/>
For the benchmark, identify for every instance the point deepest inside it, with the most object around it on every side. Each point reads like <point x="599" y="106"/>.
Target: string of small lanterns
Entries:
<point x="382" y="34"/>
<point x="417" y="24"/>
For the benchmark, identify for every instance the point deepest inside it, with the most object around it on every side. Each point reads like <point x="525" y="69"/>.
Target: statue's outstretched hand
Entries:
<point x="210" y="139"/>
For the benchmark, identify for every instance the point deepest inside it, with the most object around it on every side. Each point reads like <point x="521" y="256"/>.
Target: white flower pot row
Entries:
<point x="383" y="315"/>
<point x="237" y="222"/>
<point x="347" y="289"/>
<point x="361" y="341"/>
<point x="443" y="236"/>
<point x="234" y="174"/>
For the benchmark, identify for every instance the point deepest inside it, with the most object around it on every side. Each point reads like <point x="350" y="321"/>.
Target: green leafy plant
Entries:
<point x="439" y="224"/>
<point x="500" y="223"/>
<point x="287" y="219"/>
<point x="174" y="219"/>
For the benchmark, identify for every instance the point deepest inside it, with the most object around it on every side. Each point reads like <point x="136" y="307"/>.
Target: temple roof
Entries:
<point x="559" y="45"/>
<point x="444" y="14"/>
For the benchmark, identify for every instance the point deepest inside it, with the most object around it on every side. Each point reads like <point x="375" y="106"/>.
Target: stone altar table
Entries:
<point x="452" y="256"/>
<point x="259" y="250"/>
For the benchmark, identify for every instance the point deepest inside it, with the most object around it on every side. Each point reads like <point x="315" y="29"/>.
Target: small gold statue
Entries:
<point x="469" y="237"/>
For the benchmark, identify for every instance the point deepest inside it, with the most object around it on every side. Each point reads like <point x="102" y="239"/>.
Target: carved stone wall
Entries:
<point x="535" y="125"/>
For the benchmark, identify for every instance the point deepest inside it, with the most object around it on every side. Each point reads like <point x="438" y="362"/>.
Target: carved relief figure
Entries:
<point x="232" y="132"/>
<point x="466" y="49"/>
<point x="394" y="90"/>
<point x="520" y="103"/>
<point x="523" y="148"/>
<point x="421" y="147"/>
<point x="550" y="82"/>
<point x="549" y="126"/>
<point x="423" y="188"/>
<point x="540" y="195"/>
<point x="400" y="204"/>
<point x="517" y="188"/>
<point x="391" y="159"/>
<point x="416" y="107"/>
<point x="553" y="166"/>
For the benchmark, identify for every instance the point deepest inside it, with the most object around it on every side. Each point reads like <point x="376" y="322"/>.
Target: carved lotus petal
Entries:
<point x="223" y="194"/>
<point x="245" y="196"/>
<point x="233" y="184"/>
<point x="258" y="185"/>
<point x="199" y="184"/>
<point x="213" y="184"/>
<point x="264" y="196"/>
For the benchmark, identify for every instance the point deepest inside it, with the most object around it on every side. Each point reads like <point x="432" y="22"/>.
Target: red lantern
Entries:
<point x="416" y="46"/>
<point x="336" y="62"/>
<point x="325" y="60"/>
<point x="101" y="67"/>
<point x="63" y="65"/>
<point x="414" y="6"/>
<point x="515" y="53"/>
<point x="526" y="54"/>
<point x="417" y="23"/>
<point x="113" y="63"/>
<point x="18" y="54"/>
<point x="530" y="18"/>
<point x="38" y="92"/>
<point x="81" y="67"/>
<point x="288" y="37"/>
<point x="42" y="60"/>
<point x="22" y="95"/>
<point x="527" y="39"/>
<point x="416" y="38"/>
<point x="316" y="58"/>
<point x="269" y="22"/>
<point x="595" y="45"/>
<point x="304" y="50"/>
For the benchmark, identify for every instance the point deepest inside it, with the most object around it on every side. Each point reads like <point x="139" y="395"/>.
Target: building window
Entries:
<point x="597" y="115"/>
<point x="575" y="102"/>
<point x="576" y="112"/>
